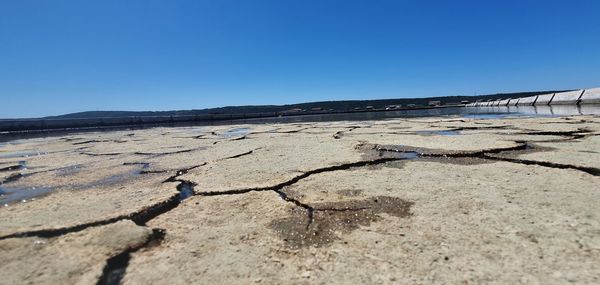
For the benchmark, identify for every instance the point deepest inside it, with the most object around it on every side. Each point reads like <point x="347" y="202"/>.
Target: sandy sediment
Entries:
<point x="426" y="200"/>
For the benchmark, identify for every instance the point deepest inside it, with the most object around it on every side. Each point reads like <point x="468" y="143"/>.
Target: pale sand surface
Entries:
<point x="445" y="200"/>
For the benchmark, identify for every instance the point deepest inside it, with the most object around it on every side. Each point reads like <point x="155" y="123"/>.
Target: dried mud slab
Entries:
<point x="68" y="209"/>
<point x="218" y="240"/>
<point x="583" y="152"/>
<point x="468" y="201"/>
<point x="454" y="143"/>
<point x="75" y="258"/>
<point x="276" y="159"/>
<point x="504" y="222"/>
<point x="79" y="176"/>
<point x="208" y="154"/>
<point x="562" y="124"/>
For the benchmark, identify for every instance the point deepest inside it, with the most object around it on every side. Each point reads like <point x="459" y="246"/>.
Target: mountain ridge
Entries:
<point x="339" y="105"/>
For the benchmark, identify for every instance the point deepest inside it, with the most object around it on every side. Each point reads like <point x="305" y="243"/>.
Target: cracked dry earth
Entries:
<point x="420" y="201"/>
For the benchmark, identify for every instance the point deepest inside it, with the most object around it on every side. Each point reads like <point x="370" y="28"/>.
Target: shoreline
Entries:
<point x="423" y="200"/>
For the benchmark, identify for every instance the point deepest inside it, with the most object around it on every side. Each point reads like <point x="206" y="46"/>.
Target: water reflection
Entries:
<point x="236" y="132"/>
<point x="470" y="112"/>
<point x="539" y="110"/>
<point x="21" y="194"/>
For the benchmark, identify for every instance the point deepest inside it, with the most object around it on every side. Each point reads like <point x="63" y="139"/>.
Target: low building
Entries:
<point x="295" y="110"/>
<point x="434" y="103"/>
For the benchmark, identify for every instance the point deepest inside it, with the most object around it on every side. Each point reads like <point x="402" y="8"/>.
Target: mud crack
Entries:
<point x="241" y="154"/>
<point x="13" y="177"/>
<point x="175" y="177"/>
<point x="524" y="147"/>
<point x="116" y="266"/>
<point x="166" y="153"/>
<point x="140" y="217"/>
<point x="320" y="224"/>
<point x="589" y="170"/>
<point x="302" y="176"/>
<point x="12" y="168"/>
<point x="102" y="154"/>
<point x="309" y="210"/>
<point x="423" y="152"/>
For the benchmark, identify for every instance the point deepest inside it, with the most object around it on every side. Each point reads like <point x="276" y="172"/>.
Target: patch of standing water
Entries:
<point x="186" y="190"/>
<point x="399" y="154"/>
<point x="408" y="155"/>
<point x="489" y="116"/>
<point x="111" y="180"/>
<point x="22" y="194"/>
<point x="68" y="170"/>
<point x="24" y="153"/>
<point x="9" y="195"/>
<point x="197" y="131"/>
<point x="236" y="132"/>
<point x="441" y="133"/>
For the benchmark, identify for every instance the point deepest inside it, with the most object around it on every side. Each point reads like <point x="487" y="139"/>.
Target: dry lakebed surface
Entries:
<point x="446" y="200"/>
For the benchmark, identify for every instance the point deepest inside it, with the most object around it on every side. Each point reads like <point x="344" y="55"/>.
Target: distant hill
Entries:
<point x="345" y="105"/>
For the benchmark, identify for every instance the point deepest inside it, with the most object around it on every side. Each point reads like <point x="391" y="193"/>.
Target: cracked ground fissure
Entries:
<point x="186" y="190"/>
<point x="567" y="136"/>
<point x="302" y="176"/>
<point x="141" y="217"/>
<point x="12" y="168"/>
<point x="13" y="177"/>
<point x="116" y="266"/>
<point x="589" y="170"/>
<point x="424" y="152"/>
<point x="278" y="188"/>
<point x="146" y="214"/>
<point x="311" y="210"/>
<point x="241" y="154"/>
<point x="485" y="154"/>
<point x="16" y="176"/>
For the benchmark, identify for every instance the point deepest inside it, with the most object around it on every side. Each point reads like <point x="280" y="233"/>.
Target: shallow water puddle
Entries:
<point x="186" y="190"/>
<point x="21" y="194"/>
<point x="399" y="154"/>
<point x="236" y="132"/>
<point x="490" y="116"/>
<point x="10" y="195"/>
<point x="440" y="133"/>
<point x="111" y="180"/>
<point x="22" y="153"/>
<point x="69" y="170"/>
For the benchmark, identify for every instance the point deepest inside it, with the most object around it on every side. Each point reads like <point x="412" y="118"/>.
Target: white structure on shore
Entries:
<point x="575" y="97"/>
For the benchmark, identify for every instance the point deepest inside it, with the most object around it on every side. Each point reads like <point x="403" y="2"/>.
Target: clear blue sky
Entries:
<point x="66" y="56"/>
